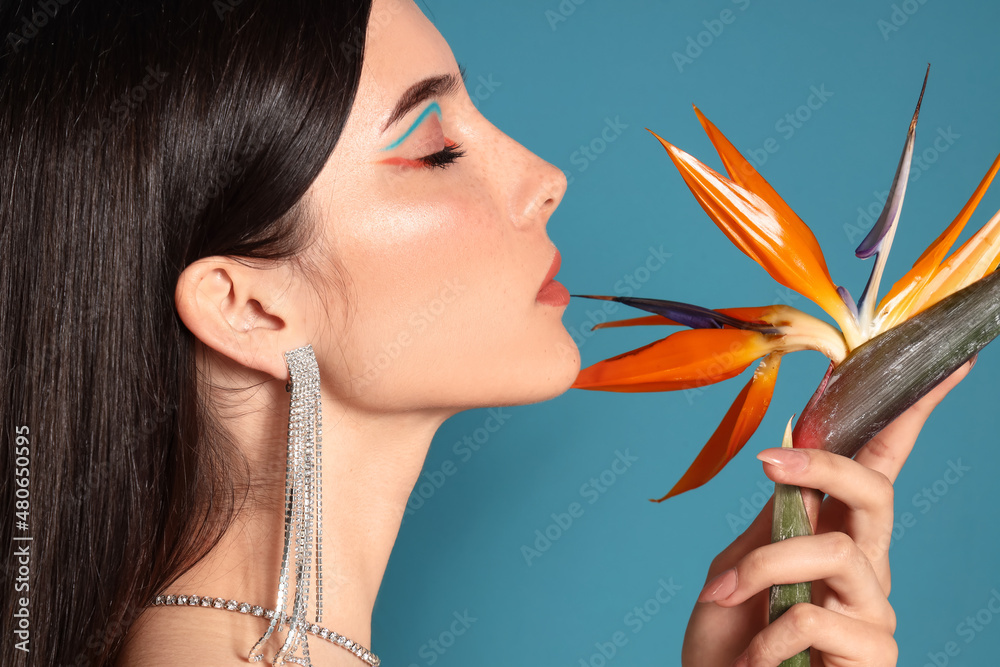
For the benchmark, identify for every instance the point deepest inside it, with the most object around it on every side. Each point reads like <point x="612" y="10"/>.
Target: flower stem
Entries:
<point x="789" y="520"/>
<point x="880" y="379"/>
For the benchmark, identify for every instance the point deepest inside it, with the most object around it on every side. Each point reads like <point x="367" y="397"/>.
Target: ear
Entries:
<point x="239" y="311"/>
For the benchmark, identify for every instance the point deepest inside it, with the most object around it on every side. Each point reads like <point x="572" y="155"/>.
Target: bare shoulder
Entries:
<point x="174" y="636"/>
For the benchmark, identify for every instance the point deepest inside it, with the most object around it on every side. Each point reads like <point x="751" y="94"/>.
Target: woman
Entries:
<point x="193" y="191"/>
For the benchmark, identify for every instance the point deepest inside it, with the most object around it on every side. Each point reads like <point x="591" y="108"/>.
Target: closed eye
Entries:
<point x="442" y="158"/>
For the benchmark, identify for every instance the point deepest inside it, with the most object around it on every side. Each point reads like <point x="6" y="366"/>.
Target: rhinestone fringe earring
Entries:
<point x="303" y="500"/>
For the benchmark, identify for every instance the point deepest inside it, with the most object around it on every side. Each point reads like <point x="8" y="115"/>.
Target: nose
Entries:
<point x="541" y="188"/>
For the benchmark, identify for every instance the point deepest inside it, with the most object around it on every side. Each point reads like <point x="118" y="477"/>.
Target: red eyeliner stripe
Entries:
<point x="403" y="162"/>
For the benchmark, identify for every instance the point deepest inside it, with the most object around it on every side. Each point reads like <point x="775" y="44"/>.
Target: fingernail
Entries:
<point x="742" y="661"/>
<point x="720" y="587"/>
<point x="791" y="460"/>
<point x="975" y="358"/>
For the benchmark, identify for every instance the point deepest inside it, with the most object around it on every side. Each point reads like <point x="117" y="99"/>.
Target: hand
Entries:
<point x="849" y="622"/>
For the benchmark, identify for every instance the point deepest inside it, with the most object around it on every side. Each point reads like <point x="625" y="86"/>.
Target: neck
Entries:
<point x="371" y="462"/>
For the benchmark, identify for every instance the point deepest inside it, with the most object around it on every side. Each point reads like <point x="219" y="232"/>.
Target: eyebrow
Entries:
<point x="435" y="86"/>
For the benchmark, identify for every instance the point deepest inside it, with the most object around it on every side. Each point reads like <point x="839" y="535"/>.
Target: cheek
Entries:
<point x="425" y="277"/>
<point x="410" y="247"/>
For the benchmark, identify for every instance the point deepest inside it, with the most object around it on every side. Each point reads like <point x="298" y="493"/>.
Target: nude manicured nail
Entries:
<point x="786" y="459"/>
<point x="720" y="587"/>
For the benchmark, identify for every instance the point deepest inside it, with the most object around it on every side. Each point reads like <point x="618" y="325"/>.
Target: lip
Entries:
<point x="553" y="270"/>
<point x="552" y="292"/>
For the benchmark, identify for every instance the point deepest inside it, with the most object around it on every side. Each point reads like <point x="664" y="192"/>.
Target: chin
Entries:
<point x="553" y="372"/>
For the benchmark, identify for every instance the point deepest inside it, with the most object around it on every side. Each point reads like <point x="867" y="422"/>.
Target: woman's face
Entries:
<point x="433" y="300"/>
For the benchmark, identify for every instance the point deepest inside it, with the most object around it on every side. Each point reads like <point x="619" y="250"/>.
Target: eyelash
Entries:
<point x="443" y="158"/>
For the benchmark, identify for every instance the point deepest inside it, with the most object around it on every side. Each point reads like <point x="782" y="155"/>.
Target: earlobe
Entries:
<point x="230" y="308"/>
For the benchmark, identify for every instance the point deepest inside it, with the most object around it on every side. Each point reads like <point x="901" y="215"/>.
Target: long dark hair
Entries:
<point x="136" y="136"/>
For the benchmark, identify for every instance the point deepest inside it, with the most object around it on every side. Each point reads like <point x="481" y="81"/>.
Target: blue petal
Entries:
<point x="848" y="300"/>
<point x="890" y="213"/>
<point x="687" y="314"/>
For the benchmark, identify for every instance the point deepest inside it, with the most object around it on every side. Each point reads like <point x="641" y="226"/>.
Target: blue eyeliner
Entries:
<point x="431" y="108"/>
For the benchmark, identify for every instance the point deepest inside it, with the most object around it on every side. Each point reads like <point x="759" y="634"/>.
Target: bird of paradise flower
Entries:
<point x="722" y="343"/>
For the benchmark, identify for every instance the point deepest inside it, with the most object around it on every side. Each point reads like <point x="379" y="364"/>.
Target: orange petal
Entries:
<point x="740" y="422"/>
<point x="786" y="248"/>
<point x="943" y="243"/>
<point x="973" y="260"/>
<point x="743" y="173"/>
<point x="686" y="359"/>
<point x="898" y="303"/>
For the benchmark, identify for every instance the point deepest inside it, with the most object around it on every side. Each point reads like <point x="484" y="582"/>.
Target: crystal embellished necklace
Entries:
<point x="255" y="610"/>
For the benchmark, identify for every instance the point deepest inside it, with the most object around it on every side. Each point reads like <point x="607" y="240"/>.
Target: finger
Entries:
<point x="835" y="635"/>
<point x="887" y="451"/>
<point x="833" y="558"/>
<point x="867" y="494"/>
<point x="756" y="535"/>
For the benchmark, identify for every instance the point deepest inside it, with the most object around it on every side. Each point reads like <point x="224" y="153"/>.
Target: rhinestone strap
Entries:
<point x="256" y="610"/>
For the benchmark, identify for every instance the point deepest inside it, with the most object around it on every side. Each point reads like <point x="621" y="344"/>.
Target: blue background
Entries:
<point x="560" y="71"/>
